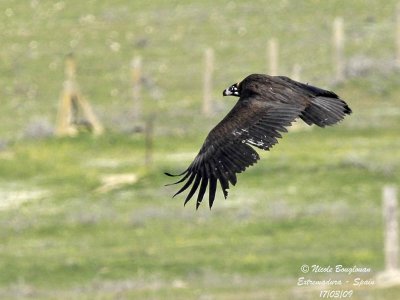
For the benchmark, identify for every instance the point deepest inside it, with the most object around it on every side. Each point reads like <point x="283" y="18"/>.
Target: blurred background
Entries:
<point x="99" y="98"/>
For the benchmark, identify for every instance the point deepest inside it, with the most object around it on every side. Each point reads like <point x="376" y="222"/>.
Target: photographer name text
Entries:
<point x="334" y="269"/>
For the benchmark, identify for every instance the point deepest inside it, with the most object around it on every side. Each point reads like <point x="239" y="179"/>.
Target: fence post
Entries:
<point x="88" y="112"/>
<point x="136" y="66"/>
<point x="71" y="101"/>
<point x="64" y="116"/>
<point x="338" y="53"/>
<point x="207" y="81"/>
<point x="391" y="228"/>
<point x="273" y="56"/>
<point x="391" y="275"/>
<point x="296" y="72"/>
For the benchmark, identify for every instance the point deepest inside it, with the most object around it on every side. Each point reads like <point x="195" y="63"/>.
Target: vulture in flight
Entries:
<point x="266" y="106"/>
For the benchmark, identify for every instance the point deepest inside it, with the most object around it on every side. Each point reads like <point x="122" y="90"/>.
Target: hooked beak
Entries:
<point x="231" y="91"/>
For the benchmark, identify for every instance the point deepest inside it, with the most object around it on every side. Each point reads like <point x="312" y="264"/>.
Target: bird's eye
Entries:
<point x="235" y="89"/>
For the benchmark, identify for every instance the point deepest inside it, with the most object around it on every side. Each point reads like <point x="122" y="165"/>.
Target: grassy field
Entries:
<point x="314" y="199"/>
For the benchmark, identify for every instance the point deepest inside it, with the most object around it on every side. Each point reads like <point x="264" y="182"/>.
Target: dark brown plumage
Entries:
<point x="267" y="105"/>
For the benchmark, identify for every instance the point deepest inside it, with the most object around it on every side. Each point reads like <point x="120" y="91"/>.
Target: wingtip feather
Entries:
<point x="169" y="174"/>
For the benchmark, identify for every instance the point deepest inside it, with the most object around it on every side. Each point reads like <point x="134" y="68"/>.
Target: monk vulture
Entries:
<point x="266" y="105"/>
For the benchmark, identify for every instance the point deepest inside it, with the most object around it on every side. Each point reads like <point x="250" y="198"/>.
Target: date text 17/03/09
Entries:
<point x="336" y="294"/>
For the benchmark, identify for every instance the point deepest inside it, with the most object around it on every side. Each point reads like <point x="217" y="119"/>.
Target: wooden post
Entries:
<point x="296" y="72"/>
<point x="70" y="67"/>
<point x="90" y="115"/>
<point x="65" y="113"/>
<point x="273" y="56"/>
<point x="207" y="81"/>
<point x="391" y="275"/>
<point x="398" y="35"/>
<point x="149" y="132"/>
<point x="391" y="228"/>
<point x="136" y="66"/>
<point x="338" y="53"/>
<point x="71" y="100"/>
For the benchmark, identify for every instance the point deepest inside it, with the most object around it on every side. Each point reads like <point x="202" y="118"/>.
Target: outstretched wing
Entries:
<point x="323" y="108"/>
<point x="227" y="151"/>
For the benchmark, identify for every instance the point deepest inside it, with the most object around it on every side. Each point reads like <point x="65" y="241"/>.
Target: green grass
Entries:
<point x="314" y="199"/>
<point x="320" y="204"/>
